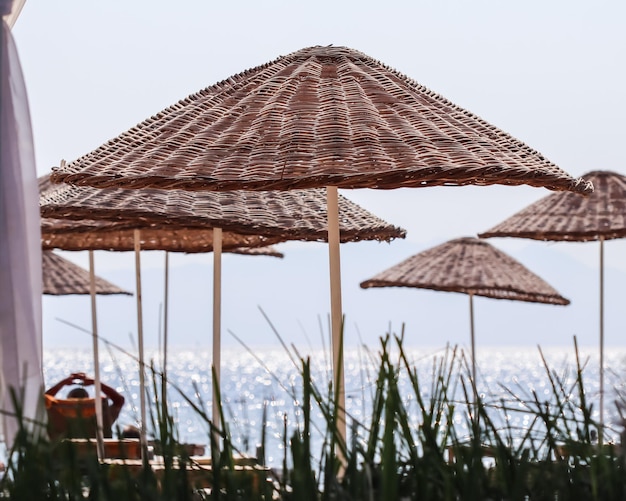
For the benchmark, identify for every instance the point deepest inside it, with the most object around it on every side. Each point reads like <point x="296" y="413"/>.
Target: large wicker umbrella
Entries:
<point x="567" y="217"/>
<point x="321" y="116"/>
<point x="281" y="215"/>
<point x="473" y="267"/>
<point x="62" y="277"/>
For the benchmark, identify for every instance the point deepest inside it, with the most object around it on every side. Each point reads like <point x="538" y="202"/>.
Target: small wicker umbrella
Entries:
<point x="319" y="117"/>
<point x="88" y="234"/>
<point x="62" y="277"/>
<point x="280" y="215"/>
<point x="566" y="217"/>
<point x="473" y="267"/>
<point x="67" y="235"/>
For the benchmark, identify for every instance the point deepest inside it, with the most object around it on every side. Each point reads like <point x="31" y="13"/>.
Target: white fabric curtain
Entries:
<point x="20" y="245"/>
<point x="11" y="10"/>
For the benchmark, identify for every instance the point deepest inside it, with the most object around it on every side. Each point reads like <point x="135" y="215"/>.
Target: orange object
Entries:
<point x="76" y="417"/>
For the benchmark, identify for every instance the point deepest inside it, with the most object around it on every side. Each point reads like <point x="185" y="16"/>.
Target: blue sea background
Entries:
<point x="254" y="381"/>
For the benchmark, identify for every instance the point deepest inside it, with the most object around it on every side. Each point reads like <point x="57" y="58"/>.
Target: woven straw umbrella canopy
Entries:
<point x="62" y="277"/>
<point x="176" y="240"/>
<point x="569" y="218"/>
<point x="90" y="234"/>
<point x="473" y="267"/>
<point x="319" y="117"/>
<point x="272" y="216"/>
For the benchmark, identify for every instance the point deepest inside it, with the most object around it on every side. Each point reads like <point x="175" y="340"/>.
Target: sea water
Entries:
<point x="261" y="388"/>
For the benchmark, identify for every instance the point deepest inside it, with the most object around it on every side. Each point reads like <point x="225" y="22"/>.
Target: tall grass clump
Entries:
<point x="433" y="437"/>
<point x="444" y="440"/>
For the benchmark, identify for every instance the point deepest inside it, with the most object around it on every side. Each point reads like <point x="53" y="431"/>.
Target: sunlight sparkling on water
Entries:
<point x="268" y="381"/>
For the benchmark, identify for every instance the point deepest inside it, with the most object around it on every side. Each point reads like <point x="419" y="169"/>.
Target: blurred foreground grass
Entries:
<point x="462" y="447"/>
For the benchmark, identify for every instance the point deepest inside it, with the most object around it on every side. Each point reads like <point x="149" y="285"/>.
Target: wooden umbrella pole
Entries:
<point x="601" y="431"/>
<point x="217" y="319"/>
<point x="165" y="341"/>
<point x="96" y="358"/>
<point x="332" y="197"/>
<point x="142" y="380"/>
<point x="473" y="339"/>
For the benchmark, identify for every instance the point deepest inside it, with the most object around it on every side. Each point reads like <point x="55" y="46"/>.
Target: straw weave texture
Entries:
<point x="88" y="234"/>
<point x="269" y="251"/>
<point x="62" y="277"/>
<point x="183" y="240"/>
<point x="277" y="215"/>
<point x="321" y="116"/>
<point x="52" y="225"/>
<point x="470" y="266"/>
<point x="568" y="217"/>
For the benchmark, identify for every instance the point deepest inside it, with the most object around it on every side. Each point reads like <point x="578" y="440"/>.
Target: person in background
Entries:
<point x="75" y="415"/>
<point x="131" y="431"/>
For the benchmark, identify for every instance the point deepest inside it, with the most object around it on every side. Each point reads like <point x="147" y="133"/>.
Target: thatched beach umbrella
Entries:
<point x="281" y="215"/>
<point x="62" y="277"/>
<point x="569" y="218"/>
<point x="90" y="235"/>
<point x="72" y="235"/>
<point x="274" y="216"/>
<point x="320" y="117"/>
<point x="473" y="267"/>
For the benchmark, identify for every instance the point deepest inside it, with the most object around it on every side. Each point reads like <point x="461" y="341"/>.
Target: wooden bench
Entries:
<point x="126" y="448"/>
<point x="199" y="471"/>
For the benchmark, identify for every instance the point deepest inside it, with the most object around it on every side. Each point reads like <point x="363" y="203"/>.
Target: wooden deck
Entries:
<point x="123" y="460"/>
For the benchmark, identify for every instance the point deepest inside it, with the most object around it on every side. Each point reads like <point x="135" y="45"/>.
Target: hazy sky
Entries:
<point x="551" y="74"/>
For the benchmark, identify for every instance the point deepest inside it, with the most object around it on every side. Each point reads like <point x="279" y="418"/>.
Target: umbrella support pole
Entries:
<point x="142" y="380"/>
<point x="473" y="341"/>
<point x="217" y="323"/>
<point x="96" y="359"/>
<point x="165" y="340"/>
<point x="335" y="308"/>
<point x="601" y="430"/>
